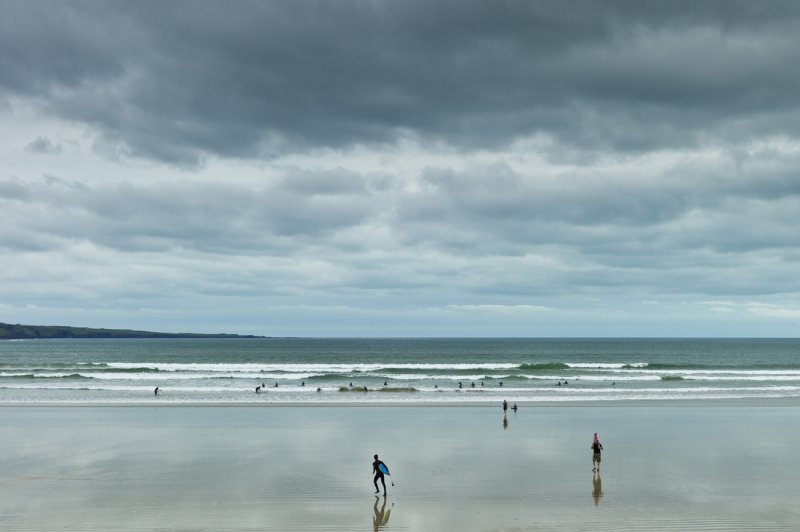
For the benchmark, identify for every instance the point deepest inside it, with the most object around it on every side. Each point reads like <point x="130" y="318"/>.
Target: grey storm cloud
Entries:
<point x="326" y="162"/>
<point x="488" y="228"/>
<point x="207" y="217"/>
<point x="43" y="145"/>
<point x="179" y="81"/>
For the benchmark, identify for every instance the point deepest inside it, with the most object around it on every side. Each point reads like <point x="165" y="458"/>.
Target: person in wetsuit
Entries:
<point x="597" y="448"/>
<point x="378" y="475"/>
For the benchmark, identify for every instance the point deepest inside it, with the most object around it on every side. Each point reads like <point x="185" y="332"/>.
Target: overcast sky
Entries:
<point x="414" y="168"/>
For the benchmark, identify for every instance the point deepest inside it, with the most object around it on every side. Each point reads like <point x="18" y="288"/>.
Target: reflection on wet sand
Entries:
<point x="597" y="487"/>
<point x="505" y="421"/>
<point x="381" y="517"/>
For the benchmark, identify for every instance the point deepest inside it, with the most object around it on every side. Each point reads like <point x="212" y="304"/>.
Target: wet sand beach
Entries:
<point x="669" y="467"/>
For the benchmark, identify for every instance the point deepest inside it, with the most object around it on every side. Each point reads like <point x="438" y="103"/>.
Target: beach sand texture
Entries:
<point x="669" y="467"/>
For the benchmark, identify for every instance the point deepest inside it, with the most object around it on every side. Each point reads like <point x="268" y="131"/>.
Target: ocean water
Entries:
<point x="386" y="371"/>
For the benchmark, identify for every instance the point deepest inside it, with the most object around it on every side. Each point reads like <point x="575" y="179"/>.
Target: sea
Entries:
<point x="394" y="370"/>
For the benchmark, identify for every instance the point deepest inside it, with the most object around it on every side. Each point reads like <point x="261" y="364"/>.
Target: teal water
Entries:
<point x="295" y="370"/>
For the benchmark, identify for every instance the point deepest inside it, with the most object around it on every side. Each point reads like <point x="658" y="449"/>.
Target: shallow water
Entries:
<point x="688" y="467"/>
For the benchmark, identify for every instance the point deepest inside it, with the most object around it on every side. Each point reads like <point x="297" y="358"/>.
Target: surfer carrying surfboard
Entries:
<point x="379" y="468"/>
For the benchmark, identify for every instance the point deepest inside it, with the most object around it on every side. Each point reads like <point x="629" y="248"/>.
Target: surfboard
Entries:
<point x="384" y="469"/>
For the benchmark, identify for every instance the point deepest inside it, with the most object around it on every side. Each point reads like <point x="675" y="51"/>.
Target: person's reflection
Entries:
<point x="381" y="517"/>
<point x="505" y="421"/>
<point x="597" y="487"/>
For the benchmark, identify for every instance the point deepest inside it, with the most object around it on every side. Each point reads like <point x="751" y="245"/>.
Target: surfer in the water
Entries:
<point x="155" y="392"/>
<point x="376" y="468"/>
<point x="597" y="448"/>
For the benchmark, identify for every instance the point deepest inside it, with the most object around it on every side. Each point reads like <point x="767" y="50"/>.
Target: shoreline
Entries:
<point x="747" y="402"/>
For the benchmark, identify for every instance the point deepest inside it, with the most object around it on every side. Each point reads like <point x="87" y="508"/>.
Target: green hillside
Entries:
<point x="26" y="332"/>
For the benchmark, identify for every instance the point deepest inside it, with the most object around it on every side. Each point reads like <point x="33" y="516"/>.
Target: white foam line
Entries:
<point x="315" y="368"/>
<point x="678" y="371"/>
<point x="580" y="365"/>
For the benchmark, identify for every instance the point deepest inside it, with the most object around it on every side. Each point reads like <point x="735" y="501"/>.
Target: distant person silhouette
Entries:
<point x="155" y="392"/>
<point x="378" y="474"/>
<point x="514" y="408"/>
<point x="597" y="448"/>
<point x="258" y="389"/>
<point x="505" y="406"/>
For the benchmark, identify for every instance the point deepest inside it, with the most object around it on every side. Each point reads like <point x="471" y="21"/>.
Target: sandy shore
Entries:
<point x="669" y="467"/>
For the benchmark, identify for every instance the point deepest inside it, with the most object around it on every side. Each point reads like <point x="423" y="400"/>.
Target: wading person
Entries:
<point x="597" y="448"/>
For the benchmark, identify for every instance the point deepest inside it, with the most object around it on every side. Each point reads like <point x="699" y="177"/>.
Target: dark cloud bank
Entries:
<point x="177" y="81"/>
<point x="560" y="155"/>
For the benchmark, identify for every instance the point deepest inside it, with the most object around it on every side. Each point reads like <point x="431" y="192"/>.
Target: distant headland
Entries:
<point x="31" y="332"/>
